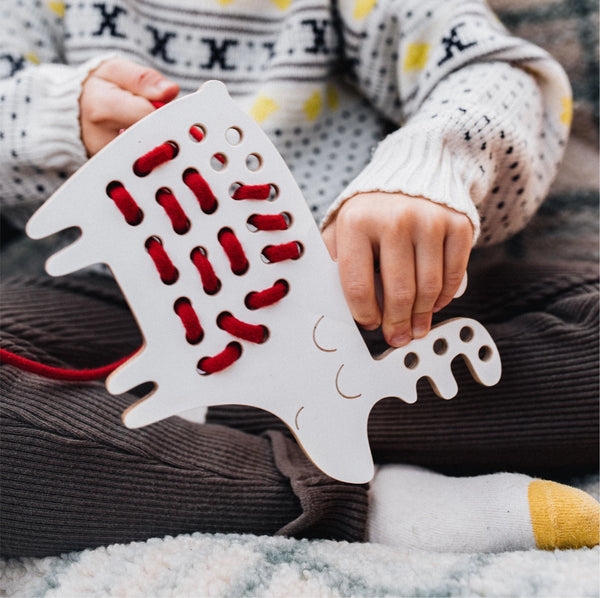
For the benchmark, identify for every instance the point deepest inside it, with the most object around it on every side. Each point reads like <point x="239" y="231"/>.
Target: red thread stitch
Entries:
<point x="126" y="204"/>
<point x="210" y="282"/>
<point x="285" y="251"/>
<point x="197" y="132"/>
<point x="162" y="153"/>
<point x="260" y="192"/>
<point x="193" y="329"/>
<point x="235" y="252"/>
<point x="258" y="299"/>
<point x="211" y="365"/>
<point x="269" y="221"/>
<point x="201" y="189"/>
<point x="255" y="333"/>
<point x="168" y="201"/>
<point x="167" y="271"/>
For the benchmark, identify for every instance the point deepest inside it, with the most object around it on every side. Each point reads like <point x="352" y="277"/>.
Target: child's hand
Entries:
<point x="422" y="249"/>
<point x="116" y="95"/>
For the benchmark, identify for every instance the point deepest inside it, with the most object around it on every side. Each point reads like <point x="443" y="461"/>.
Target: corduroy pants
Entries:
<point x="74" y="477"/>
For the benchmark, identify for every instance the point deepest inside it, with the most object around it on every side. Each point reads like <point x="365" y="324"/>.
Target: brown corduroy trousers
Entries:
<point x="74" y="477"/>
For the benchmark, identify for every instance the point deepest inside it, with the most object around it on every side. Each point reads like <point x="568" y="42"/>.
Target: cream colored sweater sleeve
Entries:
<point x="484" y="116"/>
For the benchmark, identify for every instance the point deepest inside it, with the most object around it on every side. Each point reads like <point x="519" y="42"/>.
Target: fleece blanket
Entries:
<point x="200" y="565"/>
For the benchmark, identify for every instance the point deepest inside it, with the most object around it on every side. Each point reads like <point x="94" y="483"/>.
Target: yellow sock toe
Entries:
<point x="562" y="516"/>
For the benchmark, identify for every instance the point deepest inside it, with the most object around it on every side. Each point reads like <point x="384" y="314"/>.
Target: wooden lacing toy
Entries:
<point x="209" y="237"/>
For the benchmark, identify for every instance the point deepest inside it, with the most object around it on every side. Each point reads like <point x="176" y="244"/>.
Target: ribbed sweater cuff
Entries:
<point x="57" y="133"/>
<point x="420" y="163"/>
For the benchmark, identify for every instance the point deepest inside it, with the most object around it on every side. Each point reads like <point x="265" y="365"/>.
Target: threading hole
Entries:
<point x="184" y="301"/>
<point x="175" y="274"/>
<point x="273" y="193"/>
<point x="253" y="162"/>
<point x="257" y="299"/>
<point x="226" y="314"/>
<point x="197" y="132"/>
<point x="233" y="135"/>
<point x="411" y="360"/>
<point x="217" y="282"/>
<point x="485" y="353"/>
<point x="466" y="334"/>
<point x="233" y="346"/>
<point x="440" y="346"/>
<point x="218" y="161"/>
<point x="132" y="216"/>
<point x="265" y="258"/>
<point x="182" y="224"/>
<point x="142" y="172"/>
<point x="233" y="188"/>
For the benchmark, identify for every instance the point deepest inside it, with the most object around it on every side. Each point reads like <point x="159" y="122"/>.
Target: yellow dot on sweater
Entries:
<point x="363" y="7"/>
<point x="416" y="56"/>
<point x="562" y="516"/>
<point x="313" y="106"/>
<point x="32" y="57"/>
<point x="58" y="8"/>
<point x="567" y="113"/>
<point x="332" y="97"/>
<point x="262" y="108"/>
<point x="282" y="4"/>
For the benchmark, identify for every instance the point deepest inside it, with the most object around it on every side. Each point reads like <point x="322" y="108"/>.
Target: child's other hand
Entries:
<point x="422" y="249"/>
<point x="116" y="95"/>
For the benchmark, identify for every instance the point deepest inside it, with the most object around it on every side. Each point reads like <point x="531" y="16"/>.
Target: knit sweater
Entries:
<point x="430" y="98"/>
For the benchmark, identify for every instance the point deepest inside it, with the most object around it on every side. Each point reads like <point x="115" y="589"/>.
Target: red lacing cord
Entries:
<point x="167" y="271"/>
<point x="127" y="206"/>
<point x="168" y="201"/>
<point x="268" y="222"/>
<point x="159" y="155"/>
<point x="285" y="251"/>
<point x="56" y="373"/>
<point x="201" y="189"/>
<point x="196" y="132"/>
<point x="210" y="282"/>
<point x="193" y="329"/>
<point x="255" y="333"/>
<point x="235" y="252"/>
<point x="211" y="365"/>
<point x="258" y="299"/>
<point x="252" y="192"/>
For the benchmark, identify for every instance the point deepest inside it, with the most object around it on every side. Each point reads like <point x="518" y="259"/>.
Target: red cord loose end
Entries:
<point x="55" y="373"/>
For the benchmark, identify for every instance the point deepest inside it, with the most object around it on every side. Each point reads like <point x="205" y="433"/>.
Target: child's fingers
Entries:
<point x="429" y="273"/>
<point x="397" y="265"/>
<point x="110" y="106"/>
<point x="355" y="264"/>
<point x="137" y="79"/>
<point x="457" y="249"/>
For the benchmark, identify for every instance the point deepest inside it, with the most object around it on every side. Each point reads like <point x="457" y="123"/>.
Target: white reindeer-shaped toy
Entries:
<point x="209" y="237"/>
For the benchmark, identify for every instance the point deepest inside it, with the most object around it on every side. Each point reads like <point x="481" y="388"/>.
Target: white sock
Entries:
<point x="411" y="507"/>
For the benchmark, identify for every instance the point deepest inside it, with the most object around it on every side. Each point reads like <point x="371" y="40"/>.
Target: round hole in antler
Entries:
<point x="485" y="353"/>
<point x="466" y="334"/>
<point x="411" y="360"/>
<point x="440" y="346"/>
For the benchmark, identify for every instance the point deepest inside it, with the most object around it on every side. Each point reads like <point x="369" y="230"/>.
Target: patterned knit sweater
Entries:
<point x="431" y="98"/>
